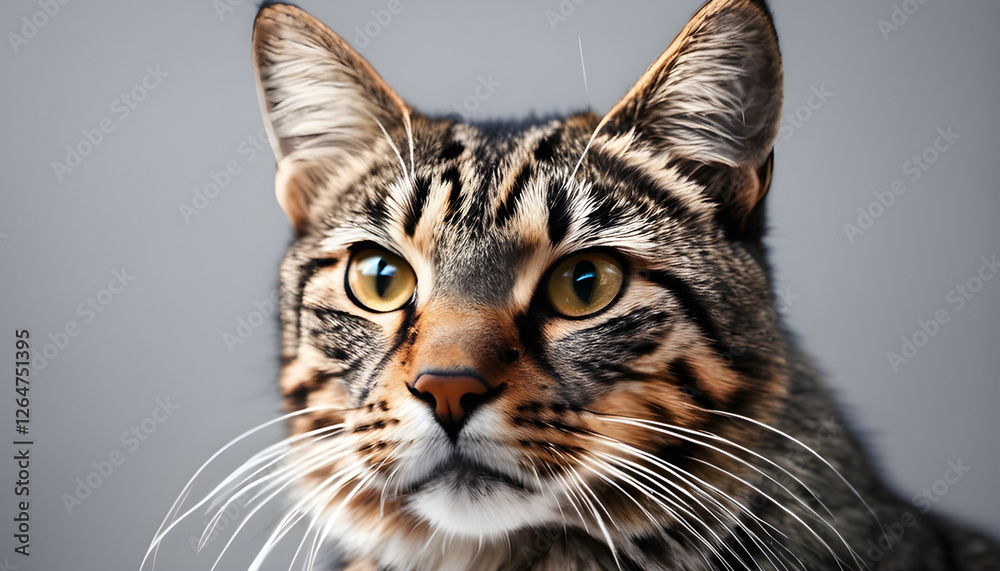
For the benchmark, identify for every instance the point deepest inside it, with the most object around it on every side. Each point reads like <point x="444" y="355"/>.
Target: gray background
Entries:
<point x="162" y="337"/>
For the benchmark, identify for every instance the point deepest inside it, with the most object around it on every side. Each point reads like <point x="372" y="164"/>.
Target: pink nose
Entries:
<point x="448" y="392"/>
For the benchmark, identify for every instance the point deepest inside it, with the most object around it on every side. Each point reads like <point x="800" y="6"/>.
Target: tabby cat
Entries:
<point x="553" y="346"/>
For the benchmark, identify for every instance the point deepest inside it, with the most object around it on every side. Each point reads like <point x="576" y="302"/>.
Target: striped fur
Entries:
<point x="664" y="432"/>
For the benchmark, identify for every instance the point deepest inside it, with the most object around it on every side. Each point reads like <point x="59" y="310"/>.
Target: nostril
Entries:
<point x="426" y="397"/>
<point x="471" y="401"/>
<point x="450" y="396"/>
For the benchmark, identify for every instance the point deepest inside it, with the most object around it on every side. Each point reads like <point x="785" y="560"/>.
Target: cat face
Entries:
<point x="487" y="328"/>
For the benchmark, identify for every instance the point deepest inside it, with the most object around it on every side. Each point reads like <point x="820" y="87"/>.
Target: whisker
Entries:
<point x="656" y="497"/>
<point x="679" y="432"/>
<point x="406" y="173"/>
<point x="296" y="513"/>
<point x="548" y="488"/>
<point x="169" y="521"/>
<point x="565" y="488"/>
<point x="778" y="504"/>
<point x="273" y="490"/>
<point x="324" y="531"/>
<point x="698" y="488"/>
<point x="278" y="456"/>
<point x="600" y="521"/>
<point x="381" y="508"/>
<point x="659" y="479"/>
<point x="715" y="501"/>
<point x="409" y="136"/>
<point x="813" y="453"/>
<point x="306" y="462"/>
<point x="676" y="432"/>
<point x="667" y="429"/>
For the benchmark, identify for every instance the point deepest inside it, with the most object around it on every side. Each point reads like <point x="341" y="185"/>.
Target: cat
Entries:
<point x="554" y="346"/>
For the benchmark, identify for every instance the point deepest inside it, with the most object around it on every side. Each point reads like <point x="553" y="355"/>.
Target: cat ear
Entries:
<point x="711" y="103"/>
<point x="324" y="106"/>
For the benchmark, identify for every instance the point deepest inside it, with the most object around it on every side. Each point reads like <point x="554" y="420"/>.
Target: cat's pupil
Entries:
<point x="584" y="278"/>
<point x="383" y="277"/>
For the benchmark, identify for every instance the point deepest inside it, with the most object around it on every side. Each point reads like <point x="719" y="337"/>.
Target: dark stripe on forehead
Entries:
<point x="453" y="178"/>
<point x="546" y="148"/>
<point x="421" y="189"/>
<point x="452" y="151"/>
<point x="375" y="209"/>
<point x="609" y="212"/>
<point x="557" y="200"/>
<point x="509" y="206"/>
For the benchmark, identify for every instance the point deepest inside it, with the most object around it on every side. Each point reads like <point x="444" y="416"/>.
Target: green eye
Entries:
<point x="380" y="281"/>
<point x="584" y="284"/>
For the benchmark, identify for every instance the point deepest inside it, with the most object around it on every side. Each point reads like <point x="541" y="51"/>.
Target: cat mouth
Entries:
<point x="462" y="473"/>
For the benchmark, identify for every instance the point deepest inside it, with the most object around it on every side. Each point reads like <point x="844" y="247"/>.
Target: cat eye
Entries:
<point x="380" y="281"/>
<point x="585" y="283"/>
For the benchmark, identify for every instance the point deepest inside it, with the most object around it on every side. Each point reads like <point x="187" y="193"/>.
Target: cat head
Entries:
<point x="488" y="329"/>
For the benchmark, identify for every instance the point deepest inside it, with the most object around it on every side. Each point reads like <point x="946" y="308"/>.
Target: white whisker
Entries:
<point x="170" y="520"/>
<point x="599" y="520"/>
<point x="409" y="136"/>
<point x="276" y="456"/>
<point x="680" y="432"/>
<point x="813" y="453"/>
<point x="697" y="487"/>
<point x="668" y="429"/>
<point x="272" y="490"/>
<point x="402" y="163"/>
<point x="296" y="513"/>
<point x="583" y="66"/>
<point x="658" y="499"/>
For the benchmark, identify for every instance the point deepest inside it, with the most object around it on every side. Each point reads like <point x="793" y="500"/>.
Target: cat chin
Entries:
<point x="481" y="511"/>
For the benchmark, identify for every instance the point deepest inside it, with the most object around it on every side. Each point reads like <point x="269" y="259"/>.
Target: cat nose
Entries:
<point x="452" y="396"/>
